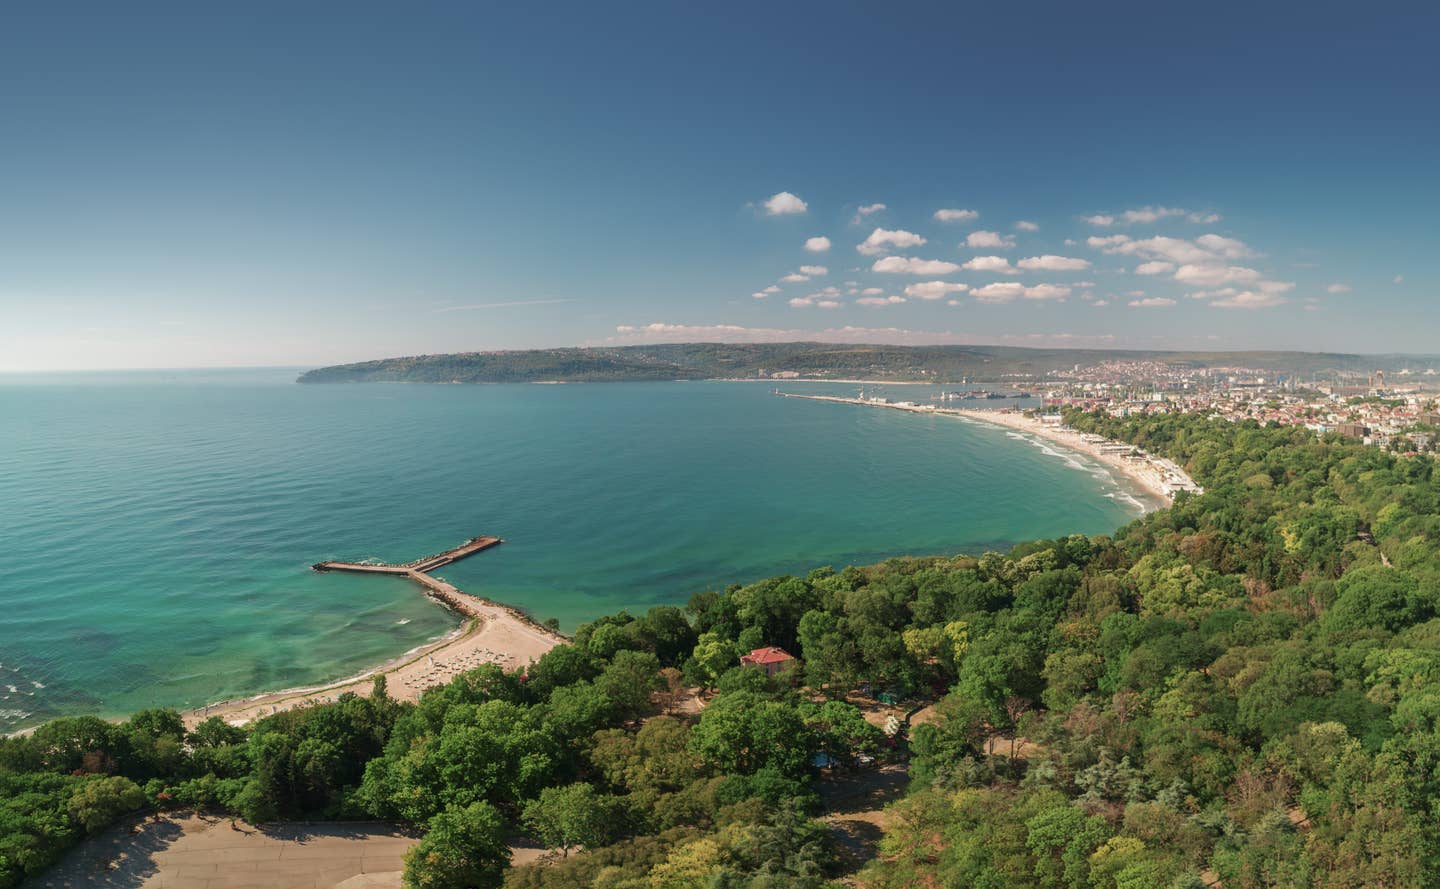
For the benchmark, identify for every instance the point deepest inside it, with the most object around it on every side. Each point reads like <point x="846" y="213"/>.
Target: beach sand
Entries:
<point x="1156" y="477"/>
<point x="491" y="634"/>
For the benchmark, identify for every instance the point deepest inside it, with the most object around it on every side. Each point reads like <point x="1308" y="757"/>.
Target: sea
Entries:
<point x="157" y="527"/>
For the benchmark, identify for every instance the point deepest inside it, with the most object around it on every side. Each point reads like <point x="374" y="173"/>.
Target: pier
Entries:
<point x="419" y="571"/>
<point x="911" y="406"/>
<point x="420" y="566"/>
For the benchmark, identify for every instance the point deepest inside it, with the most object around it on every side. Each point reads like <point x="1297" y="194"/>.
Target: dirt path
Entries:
<point x="855" y="809"/>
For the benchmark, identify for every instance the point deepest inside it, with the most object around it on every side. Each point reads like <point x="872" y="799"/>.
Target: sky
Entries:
<point x="304" y="184"/>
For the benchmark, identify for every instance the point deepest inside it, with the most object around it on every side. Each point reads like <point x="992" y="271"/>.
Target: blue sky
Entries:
<point x="302" y="186"/>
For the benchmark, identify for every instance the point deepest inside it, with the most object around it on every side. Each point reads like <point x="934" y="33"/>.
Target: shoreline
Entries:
<point x="1157" y="477"/>
<point x="489" y="633"/>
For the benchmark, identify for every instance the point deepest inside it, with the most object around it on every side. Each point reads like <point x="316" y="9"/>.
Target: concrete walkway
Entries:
<point x="191" y="852"/>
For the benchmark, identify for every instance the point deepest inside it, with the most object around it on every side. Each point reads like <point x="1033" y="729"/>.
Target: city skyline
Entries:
<point x="217" y="189"/>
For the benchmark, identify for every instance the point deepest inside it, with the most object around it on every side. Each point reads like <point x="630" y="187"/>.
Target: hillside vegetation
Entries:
<point x="694" y="361"/>
<point x="1242" y="687"/>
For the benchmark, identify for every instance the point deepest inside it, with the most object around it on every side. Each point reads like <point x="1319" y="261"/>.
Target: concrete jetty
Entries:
<point x="419" y="571"/>
<point x="421" y="566"/>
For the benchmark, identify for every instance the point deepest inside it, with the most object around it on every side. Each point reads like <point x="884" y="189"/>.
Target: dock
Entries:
<point x="419" y="571"/>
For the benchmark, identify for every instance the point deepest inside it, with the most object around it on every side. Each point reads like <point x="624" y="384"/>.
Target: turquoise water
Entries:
<point x="156" y="527"/>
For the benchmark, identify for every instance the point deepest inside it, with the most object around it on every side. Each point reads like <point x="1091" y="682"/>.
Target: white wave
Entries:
<point x="1069" y="460"/>
<point x="1127" y="499"/>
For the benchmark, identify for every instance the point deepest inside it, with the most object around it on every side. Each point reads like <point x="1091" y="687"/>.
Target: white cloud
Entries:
<point x="884" y="240"/>
<point x="1176" y="250"/>
<point x="732" y="333"/>
<point x="814" y="270"/>
<point x="880" y="300"/>
<point x="951" y="215"/>
<point x="1215" y="275"/>
<point x="1155" y="267"/>
<point x="759" y="294"/>
<point x="905" y="265"/>
<point x="824" y="299"/>
<point x="1264" y="295"/>
<point x="794" y="278"/>
<point x="1100" y="302"/>
<point x="784" y="203"/>
<point x="992" y="240"/>
<point x="1337" y="287"/>
<point x="867" y="210"/>
<point x="771" y="289"/>
<point x="1052" y="263"/>
<point x="1249" y="299"/>
<point x="934" y="289"/>
<point x="999" y="292"/>
<point x="1150" y="214"/>
<point x="1047" y="291"/>
<point x="1152" y="302"/>
<point x="817" y="244"/>
<point x="990" y="264"/>
<point x="872" y="291"/>
<point x="1025" y="225"/>
<point x="1399" y="279"/>
<point x="1007" y="291"/>
<point x="1225" y="248"/>
<point x="1145" y="215"/>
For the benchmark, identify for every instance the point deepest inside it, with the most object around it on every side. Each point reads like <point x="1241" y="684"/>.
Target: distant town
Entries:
<point x="1397" y="411"/>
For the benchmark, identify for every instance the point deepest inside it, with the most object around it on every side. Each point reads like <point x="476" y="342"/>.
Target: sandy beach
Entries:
<point x="491" y="633"/>
<point x="1157" y="476"/>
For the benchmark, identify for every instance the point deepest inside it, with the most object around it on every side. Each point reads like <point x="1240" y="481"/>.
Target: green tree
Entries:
<point x="463" y="848"/>
<point x="575" y="815"/>
<point x="742" y="733"/>
<point x="99" y="801"/>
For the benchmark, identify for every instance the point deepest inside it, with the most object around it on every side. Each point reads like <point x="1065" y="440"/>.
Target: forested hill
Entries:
<point x="695" y="361"/>
<point x="1240" y="690"/>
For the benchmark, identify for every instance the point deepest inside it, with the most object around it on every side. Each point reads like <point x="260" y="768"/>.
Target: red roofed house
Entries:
<point x="771" y="660"/>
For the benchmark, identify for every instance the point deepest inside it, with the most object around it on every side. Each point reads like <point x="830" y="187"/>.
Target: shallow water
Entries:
<point x="158" y="526"/>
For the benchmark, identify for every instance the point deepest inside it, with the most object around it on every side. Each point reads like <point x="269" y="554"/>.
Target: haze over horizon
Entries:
<point x="267" y="186"/>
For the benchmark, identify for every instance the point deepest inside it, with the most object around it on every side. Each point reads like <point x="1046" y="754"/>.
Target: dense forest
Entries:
<point x="1242" y="688"/>
<point x="698" y="361"/>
